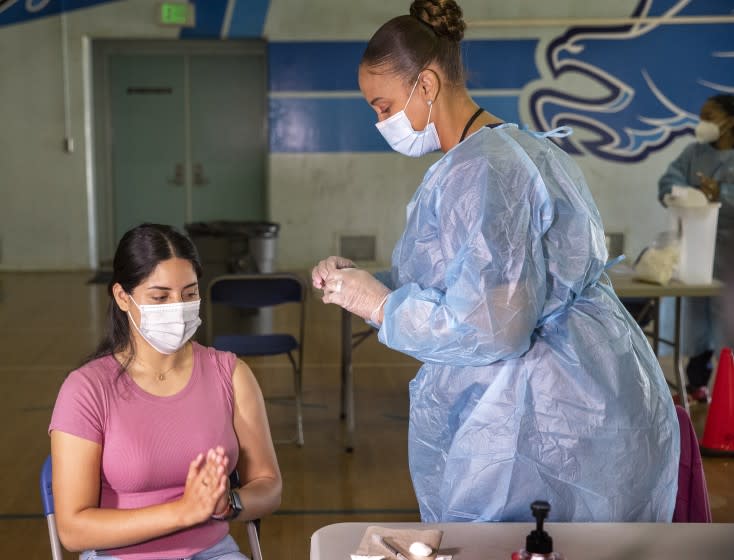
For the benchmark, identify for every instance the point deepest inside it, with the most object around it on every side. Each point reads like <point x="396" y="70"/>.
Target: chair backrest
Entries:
<point x="256" y="290"/>
<point x="47" y="497"/>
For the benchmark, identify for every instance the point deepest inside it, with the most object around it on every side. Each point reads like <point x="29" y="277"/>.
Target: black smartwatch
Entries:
<point x="235" y="507"/>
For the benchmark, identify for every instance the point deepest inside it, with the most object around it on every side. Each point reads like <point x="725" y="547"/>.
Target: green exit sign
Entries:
<point x="181" y="14"/>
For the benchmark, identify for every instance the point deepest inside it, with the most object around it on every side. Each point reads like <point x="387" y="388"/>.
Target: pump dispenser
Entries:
<point x="538" y="544"/>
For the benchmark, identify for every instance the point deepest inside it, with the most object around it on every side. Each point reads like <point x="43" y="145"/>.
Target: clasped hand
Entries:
<point x="355" y="290"/>
<point x="206" y="491"/>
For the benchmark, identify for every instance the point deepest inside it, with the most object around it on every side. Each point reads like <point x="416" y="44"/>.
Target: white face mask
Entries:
<point x="399" y="133"/>
<point x="707" y="132"/>
<point x="167" y="326"/>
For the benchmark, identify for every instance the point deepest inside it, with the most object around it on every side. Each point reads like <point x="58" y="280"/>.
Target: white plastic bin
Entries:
<point x="697" y="227"/>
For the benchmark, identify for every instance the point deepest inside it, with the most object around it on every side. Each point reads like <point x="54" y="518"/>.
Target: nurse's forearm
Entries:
<point x="419" y="323"/>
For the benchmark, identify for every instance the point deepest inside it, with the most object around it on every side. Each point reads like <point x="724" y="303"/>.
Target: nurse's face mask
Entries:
<point x="713" y="124"/>
<point x="167" y="326"/>
<point x="403" y="138"/>
<point x="707" y="132"/>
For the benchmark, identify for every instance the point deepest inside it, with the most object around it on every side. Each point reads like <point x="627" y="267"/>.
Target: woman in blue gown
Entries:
<point x="536" y="383"/>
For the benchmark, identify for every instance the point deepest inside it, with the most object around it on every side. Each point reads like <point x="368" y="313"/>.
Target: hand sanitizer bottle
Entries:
<point x="539" y="544"/>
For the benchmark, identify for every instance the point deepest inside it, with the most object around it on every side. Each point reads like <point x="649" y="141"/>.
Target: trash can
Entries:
<point x="234" y="247"/>
<point x="231" y="246"/>
<point x="263" y="245"/>
<point x="697" y="228"/>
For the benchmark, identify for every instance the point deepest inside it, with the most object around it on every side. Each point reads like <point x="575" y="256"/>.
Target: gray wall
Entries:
<point x="47" y="195"/>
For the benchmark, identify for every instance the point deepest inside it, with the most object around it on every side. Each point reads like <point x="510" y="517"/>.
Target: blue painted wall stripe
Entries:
<point x="314" y="66"/>
<point x="332" y="65"/>
<point x="248" y="19"/>
<point x="699" y="8"/>
<point x="209" y="19"/>
<point x="500" y="64"/>
<point x="309" y="125"/>
<point x="504" y="107"/>
<point x="16" y="12"/>
<point x="323" y="125"/>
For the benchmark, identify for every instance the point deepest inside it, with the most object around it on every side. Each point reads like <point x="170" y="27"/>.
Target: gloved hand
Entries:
<point x="321" y="271"/>
<point x="710" y="187"/>
<point x="358" y="292"/>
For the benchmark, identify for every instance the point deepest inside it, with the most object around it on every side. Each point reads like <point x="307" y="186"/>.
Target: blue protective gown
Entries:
<point x="702" y="324"/>
<point x="536" y="383"/>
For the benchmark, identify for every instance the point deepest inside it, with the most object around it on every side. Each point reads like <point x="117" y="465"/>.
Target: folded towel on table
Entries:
<point x="400" y="539"/>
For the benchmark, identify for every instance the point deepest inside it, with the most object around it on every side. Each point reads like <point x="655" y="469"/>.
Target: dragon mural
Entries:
<point x="643" y="83"/>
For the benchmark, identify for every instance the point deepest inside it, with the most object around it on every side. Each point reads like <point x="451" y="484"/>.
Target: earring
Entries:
<point x="430" y="102"/>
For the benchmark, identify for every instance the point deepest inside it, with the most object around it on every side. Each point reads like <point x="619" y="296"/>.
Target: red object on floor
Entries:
<point x="718" y="435"/>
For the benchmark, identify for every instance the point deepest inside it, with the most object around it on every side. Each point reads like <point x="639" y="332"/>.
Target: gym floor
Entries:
<point x="50" y="321"/>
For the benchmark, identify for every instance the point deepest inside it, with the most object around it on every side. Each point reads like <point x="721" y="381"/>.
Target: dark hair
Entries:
<point x="406" y="45"/>
<point x="140" y="250"/>
<point x="725" y="102"/>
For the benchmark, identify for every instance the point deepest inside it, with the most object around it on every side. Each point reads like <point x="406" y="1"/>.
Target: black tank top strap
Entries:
<point x="470" y="122"/>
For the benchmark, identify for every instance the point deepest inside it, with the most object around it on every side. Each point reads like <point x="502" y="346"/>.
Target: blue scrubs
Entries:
<point x="702" y="328"/>
<point x="536" y="383"/>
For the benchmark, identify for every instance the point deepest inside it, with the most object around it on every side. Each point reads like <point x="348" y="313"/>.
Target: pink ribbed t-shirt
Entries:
<point x="148" y="441"/>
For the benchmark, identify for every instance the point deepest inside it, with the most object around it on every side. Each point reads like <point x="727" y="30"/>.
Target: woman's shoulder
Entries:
<point x="219" y="361"/>
<point x="84" y="396"/>
<point x="90" y="385"/>
<point x="694" y="150"/>
<point x="211" y="354"/>
<point x="490" y="153"/>
<point x="98" y="371"/>
<point x="491" y="146"/>
<point x="471" y="153"/>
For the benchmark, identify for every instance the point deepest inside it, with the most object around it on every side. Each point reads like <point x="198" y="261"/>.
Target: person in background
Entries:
<point x="145" y="434"/>
<point x="708" y="165"/>
<point x="536" y="383"/>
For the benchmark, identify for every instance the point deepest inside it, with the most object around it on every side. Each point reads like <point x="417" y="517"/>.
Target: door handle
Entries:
<point x="178" y="176"/>
<point x="199" y="179"/>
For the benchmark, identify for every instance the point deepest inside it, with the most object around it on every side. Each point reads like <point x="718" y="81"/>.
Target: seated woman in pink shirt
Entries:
<point x="146" y="433"/>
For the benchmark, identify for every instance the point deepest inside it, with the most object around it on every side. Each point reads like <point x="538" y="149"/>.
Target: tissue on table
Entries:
<point x="400" y="539"/>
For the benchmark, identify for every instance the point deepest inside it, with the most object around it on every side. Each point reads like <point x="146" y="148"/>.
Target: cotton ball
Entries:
<point x="420" y="549"/>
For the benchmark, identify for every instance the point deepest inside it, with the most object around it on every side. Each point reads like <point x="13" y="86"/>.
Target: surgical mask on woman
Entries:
<point x="707" y="132"/>
<point x="399" y="133"/>
<point x="167" y="326"/>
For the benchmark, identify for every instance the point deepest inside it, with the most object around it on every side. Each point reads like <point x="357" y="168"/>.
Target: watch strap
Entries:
<point x="234" y="507"/>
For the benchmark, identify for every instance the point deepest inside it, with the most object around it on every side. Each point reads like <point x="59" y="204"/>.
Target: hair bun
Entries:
<point x="443" y="16"/>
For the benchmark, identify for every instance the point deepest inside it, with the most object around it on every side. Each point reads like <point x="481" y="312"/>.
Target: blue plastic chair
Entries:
<point x="255" y="292"/>
<point x="47" y="497"/>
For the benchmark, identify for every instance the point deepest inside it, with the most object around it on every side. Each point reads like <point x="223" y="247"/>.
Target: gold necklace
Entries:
<point x="160" y="375"/>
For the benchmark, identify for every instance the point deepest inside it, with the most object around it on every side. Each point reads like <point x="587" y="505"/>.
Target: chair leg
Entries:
<point x="254" y="541"/>
<point x="298" y="389"/>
